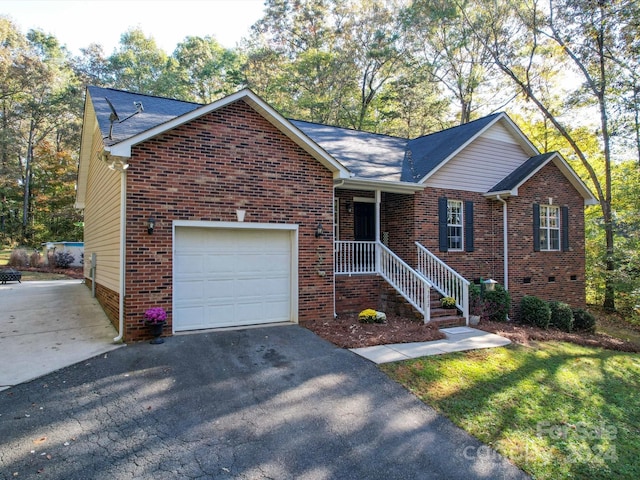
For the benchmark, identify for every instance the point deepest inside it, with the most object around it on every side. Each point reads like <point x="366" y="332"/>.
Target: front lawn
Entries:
<point x="557" y="410"/>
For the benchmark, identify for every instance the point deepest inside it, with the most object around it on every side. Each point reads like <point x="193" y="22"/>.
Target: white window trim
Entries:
<point x="461" y="226"/>
<point x="548" y="229"/>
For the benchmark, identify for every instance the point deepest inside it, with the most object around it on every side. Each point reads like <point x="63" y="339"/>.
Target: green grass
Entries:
<point x="4" y="256"/>
<point x="557" y="410"/>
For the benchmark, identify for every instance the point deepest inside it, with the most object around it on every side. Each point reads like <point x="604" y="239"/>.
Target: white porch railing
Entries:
<point x="375" y="258"/>
<point x="409" y="283"/>
<point x="355" y="257"/>
<point x="444" y="279"/>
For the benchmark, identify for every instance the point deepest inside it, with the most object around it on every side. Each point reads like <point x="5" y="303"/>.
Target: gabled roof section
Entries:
<point x="510" y="184"/>
<point x="425" y="155"/>
<point x="157" y="110"/>
<point x="367" y="155"/>
<point x="161" y="115"/>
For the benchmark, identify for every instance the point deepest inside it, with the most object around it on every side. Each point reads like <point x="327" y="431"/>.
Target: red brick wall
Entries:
<point x="109" y="300"/>
<point x="205" y="170"/>
<point x="358" y="292"/>
<point x="486" y="261"/>
<point x="540" y="266"/>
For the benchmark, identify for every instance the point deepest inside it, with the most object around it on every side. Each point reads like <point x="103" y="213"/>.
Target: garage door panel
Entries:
<point x="226" y="277"/>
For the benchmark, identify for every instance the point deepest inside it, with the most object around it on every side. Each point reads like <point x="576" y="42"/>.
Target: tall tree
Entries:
<point x="583" y="34"/>
<point x="139" y="65"/>
<point x="207" y="71"/>
<point x="451" y="50"/>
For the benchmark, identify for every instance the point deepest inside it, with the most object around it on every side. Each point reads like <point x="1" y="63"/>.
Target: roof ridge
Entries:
<point x="348" y="128"/>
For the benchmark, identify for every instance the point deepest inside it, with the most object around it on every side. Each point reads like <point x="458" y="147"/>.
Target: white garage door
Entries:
<point x="231" y="277"/>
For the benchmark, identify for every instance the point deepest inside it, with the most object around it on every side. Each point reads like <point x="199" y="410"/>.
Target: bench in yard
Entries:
<point x="10" y="275"/>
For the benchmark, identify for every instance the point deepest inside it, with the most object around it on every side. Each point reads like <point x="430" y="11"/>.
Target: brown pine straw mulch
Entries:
<point x="72" y="272"/>
<point x="347" y="332"/>
<point x="525" y="335"/>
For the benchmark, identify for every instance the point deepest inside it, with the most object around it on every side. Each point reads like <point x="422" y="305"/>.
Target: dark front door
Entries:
<point x="364" y="221"/>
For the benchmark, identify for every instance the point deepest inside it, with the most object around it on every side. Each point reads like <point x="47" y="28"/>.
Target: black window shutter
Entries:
<point x="564" y="226"/>
<point x="468" y="226"/>
<point x="442" y="224"/>
<point x="536" y="227"/>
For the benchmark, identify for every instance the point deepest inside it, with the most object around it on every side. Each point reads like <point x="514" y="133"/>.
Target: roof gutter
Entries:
<point x="358" y="183"/>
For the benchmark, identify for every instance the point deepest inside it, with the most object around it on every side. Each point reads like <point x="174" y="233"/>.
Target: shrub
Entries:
<point x="496" y="304"/>
<point x="448" y="302"/>
<point x="583" y="321"/>
<point x="371" y="316"/>
<point x="534" y="311"/>
<point x="18" y="258"/>
<point x="63" y="259"/>
<point x="35" y="259"/>
<point x="561" y="316"/>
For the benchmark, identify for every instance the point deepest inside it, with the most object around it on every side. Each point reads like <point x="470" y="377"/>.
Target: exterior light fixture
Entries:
<point x="490" y="284"/>
<point x="349" y="207"/>
<point x="319" y="230"/>
<point x="151" y="224"/>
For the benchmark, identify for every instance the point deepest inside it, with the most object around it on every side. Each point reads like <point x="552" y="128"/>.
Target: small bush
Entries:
<point x="63" y="259"/>
<point x="371" y="316"/>
<point x="18" y="258"/>
<point x="583" y="321"/>
<point x="535" y="312"/>
<point x="35" y="259"/>
<point x="561" y="316"/>
<point x="448" y="302"/>
<point x="496" y="304"/>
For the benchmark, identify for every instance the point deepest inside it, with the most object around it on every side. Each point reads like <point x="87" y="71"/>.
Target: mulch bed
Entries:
<point x="347" y="332"/>
<point x="74" y="272"/>
<point x="524" y="335"/>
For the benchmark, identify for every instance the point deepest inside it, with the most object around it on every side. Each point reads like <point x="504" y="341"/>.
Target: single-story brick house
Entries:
<point x="229" y="214"/>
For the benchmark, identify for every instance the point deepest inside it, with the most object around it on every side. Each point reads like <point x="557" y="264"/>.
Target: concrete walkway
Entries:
<point x="48" y="325"/>
<point x="458" y="339"/>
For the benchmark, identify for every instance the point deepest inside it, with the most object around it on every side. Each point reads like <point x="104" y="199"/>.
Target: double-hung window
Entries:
<point x="454" y="225"/>
<point x="549" y="228"/>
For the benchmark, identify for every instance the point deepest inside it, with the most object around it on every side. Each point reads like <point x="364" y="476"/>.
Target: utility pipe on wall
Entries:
<point x="505" y="241"/>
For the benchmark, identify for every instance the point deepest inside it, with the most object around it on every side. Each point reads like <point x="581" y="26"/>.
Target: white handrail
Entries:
<point x="355" y="257"/>
<point x="444" y="279"/>
<point x="409" y="283"/>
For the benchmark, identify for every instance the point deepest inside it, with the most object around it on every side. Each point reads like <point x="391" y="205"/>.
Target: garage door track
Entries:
<point x="272" y="402"/>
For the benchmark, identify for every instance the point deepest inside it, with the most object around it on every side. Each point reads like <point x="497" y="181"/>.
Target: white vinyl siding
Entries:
<point x="479" y="166"/>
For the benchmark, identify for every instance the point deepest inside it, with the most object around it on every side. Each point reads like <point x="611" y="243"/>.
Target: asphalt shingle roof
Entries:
<point x="515" y="178"/>
<point x="157" y="110"/>
<point x="366" y="155"/>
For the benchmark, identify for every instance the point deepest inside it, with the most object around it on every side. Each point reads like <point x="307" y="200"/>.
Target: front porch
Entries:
<point x="420" y="287"/>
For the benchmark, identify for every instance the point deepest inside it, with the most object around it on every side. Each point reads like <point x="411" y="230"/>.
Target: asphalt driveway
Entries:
<point x="260" y="403"/>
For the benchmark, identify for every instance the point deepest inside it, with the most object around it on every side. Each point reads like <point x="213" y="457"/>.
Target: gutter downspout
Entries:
<point x="505" y="241"/>
<point x="123" y="223"/>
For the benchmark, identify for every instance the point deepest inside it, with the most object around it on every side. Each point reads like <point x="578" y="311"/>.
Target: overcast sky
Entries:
<point x="78" y="23"/>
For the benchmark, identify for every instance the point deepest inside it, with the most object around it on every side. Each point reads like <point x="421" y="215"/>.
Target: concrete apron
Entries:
<point x="48" y="325"/>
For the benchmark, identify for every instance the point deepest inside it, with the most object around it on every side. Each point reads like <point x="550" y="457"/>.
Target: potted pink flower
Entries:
<point x="155" y="318"/>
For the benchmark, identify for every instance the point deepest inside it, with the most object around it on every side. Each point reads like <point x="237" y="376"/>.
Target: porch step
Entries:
<point x="448" y="321"/>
